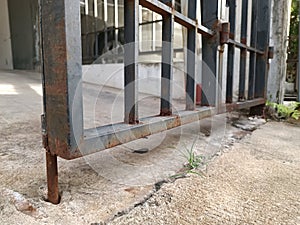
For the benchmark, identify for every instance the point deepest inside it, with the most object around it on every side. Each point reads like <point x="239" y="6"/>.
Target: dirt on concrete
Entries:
<point x="257" y="181"/>
<point x="249" y="178"/>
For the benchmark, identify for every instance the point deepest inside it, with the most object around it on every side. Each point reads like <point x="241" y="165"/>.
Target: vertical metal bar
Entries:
<point x="52" y="178"/>
<point x="62" y="75"/>
<point x="153" y="33"/>
<point x="96" y="31"/>
<point x="191" y="57"/>
<point x="298" y="80"/>
<point x="105" y="11"/>
<point x="116" y="8"/>
<point x="141" y="28"/>
<point x="167" y="64"/>
<point x="231" y="50"/>
<point x="252" y="63"/>
<point x="86" y="6"/>
<point x="243" y="57"/>
<point x="131" y="24"/>
<point x="105" y="18"/>
<point x="209" y="16"/>
<point x="96" y="8"/>
<point x="263" y="27"/>
<point x="220" y="77"/>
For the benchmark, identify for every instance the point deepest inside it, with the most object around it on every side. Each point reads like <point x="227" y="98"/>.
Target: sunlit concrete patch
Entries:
<point x="37" y="88"/>
<point x="7" y="89"/>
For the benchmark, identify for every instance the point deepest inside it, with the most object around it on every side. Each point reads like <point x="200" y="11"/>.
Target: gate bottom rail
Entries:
<point x="104" y="137"/>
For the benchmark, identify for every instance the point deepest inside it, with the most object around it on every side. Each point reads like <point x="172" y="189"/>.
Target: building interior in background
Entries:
<point x="102" y="27"/>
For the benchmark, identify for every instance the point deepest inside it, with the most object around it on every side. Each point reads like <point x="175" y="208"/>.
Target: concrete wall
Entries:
<point x="5" y="42"/>
<point x="278" y="39"/>
<point x="24" y="28"/>
<point x="112" y="75"/>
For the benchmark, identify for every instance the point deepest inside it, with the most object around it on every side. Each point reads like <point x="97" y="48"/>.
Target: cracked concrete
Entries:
<point x="250" y="178"/>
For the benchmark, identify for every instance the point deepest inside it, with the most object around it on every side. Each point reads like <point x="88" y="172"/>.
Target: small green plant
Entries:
<point x="194" y="161"/>
<point x="285" y="111"/>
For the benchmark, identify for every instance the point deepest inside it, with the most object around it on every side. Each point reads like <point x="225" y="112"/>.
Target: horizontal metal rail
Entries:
<point x="175" y="50"/>
<point x="162" y="9"/>
<point x="104" y="137"/>
<point x="243" y="46"/>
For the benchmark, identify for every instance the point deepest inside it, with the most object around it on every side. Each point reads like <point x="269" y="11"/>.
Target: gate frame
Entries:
<point x="62" y="76"/>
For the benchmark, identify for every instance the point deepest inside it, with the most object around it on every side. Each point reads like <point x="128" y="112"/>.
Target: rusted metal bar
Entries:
<point x="52" y="178"/>
<point x="263" y="36"/>
<point x="167" y="64"/>
<point x="209" y="18"/>
<point x="252" y="63"/>
<point x="231" y="52"/>
<point x="242" y="105"/>
<point x="244" y="46"/>
<point x="271" y="52"/>
<point x="191" y="58"/>
<point x="62" y="74"/>
<point x="162" y="8"/>
<point x="175" y="50"/>
<point x="131" y="32"/>
<point x="243" y="57"/>
<point x="224" y="36"/>
<point x="104" y="137"/>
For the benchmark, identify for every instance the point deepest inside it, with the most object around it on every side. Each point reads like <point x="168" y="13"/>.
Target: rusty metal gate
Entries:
<point x="63" y="131"/>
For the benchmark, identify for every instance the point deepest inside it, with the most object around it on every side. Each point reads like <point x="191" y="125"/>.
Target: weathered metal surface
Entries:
<point x="271" y="52"/>
<point x="209" y="17"/>
<point x="231" y="52"/>
<point x="101" y="138"/>
<point x="224" y="36"/>
<point x="252" y="62"/>
<point x="162" y="9"/>
<point x="244" y="46"/>
<point x="63" y="132"/>
<point x="131" y="23"/>
<point x="167" y="64"/>
<point x="243" y="59"/>
<point x="191" y="58"/>
<point x="62" y="75"/>
<point x="116" y="134"/>
<point x="263" y="26"/>
<point x="52" y="178"/>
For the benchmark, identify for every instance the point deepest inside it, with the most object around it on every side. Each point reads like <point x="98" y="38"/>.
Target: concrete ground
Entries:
<point x="248" y="177"/>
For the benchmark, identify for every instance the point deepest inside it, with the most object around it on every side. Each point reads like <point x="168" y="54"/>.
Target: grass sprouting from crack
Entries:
<point x="194" y="161"/>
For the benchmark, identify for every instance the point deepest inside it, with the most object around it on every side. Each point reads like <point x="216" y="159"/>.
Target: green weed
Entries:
<point x="194" y="161"/>
<point x="285" y="111"/>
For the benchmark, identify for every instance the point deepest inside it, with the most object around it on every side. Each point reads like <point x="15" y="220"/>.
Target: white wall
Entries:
<point x="5" y="41"/>
<point x="112" y="75"/>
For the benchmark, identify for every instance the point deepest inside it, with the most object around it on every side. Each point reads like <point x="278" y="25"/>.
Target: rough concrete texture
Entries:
<point x="279" y="40"/>
<point x="249" y="178"/>
<point x="257" y="181"/>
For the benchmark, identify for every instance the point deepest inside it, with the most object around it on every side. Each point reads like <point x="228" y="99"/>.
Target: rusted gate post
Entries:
<point x="61" y="77"/>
